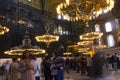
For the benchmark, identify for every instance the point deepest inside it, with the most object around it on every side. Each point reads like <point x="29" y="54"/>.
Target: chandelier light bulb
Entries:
<point x="3" y="29"/>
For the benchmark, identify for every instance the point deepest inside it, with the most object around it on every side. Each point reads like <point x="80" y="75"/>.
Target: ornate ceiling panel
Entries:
<point x="47" y="5"/>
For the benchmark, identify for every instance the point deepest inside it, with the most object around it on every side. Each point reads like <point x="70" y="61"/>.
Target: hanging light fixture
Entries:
<point x="91" y="36"/>
<point x="84" y="9"/>
<point x="3" y="29"/>
<point x="47" y="37"/>
<point x="26" y="45"/>
<point x="74" y="47"/>
<point x="85" y="43"/>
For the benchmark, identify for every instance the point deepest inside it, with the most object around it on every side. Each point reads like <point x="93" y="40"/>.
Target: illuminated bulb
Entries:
<point x="68" y="2"/>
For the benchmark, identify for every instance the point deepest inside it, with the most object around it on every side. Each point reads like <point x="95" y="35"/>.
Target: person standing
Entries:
<point x="83" y="65"/>
<point x="109" y="62"/>
<point x="46" y="68"/>
<point x="7" y="67"/>
<point x="98" y="63"/>
<point x="67" y="65"/>
<point x="27" y="67"/>
<point x="89" y="65"/>
<point x="37" y="69"/>
<point x="115" y="61"/>
<point x="60" y="63"/>
<point x="53" y="68"/>
<point x="14" y="67"/>
<point x="78" y="64"/>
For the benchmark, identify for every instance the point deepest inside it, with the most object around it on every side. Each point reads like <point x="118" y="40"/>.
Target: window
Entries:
<point x="97" y="28"/>
<point x="58" y="30"/>
<point x="61" y="31"/>
<point x="59" y="16"/>
<point x="110" y="41"/>
<point x="108" y="27"/>
<point x="64" y="17"/>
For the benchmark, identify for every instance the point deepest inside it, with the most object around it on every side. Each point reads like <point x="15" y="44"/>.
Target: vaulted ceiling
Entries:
<point x="48" y="7"/>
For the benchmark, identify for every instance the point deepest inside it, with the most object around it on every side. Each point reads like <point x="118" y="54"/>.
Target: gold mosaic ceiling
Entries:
<point x="48" y="5"/>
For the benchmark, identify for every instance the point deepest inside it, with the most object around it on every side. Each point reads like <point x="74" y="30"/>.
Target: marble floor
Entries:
<point x="108" y="75"/>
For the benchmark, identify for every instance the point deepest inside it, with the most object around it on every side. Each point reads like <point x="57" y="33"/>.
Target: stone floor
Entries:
<point x="109" y="75"/>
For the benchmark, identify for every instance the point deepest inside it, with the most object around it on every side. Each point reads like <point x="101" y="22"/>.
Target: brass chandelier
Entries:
<point x="85" y="43"/>
<point x="89" y="39"/>
<point x="47" y="38"/>
<point x="91" y="36"/>
<point x="26" y="45"/>
<point x="34" y="51"/>
<point x="85" y="10"/>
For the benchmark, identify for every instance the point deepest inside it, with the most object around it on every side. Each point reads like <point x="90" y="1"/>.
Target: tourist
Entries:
<point x="89" y="65"/>
<point x="37" y="69"/>
<point x="7" y="67"/>
<point x="60" y="63"/>
<point x="27" y="67"/>
<point x="67" y="65"/>
<point x="115" y="61"/>
<point x="46" y="67"/>
<point x="83" y="65"/>
<point x="53" y="67"/>
<point x="98" y="63"/>
<point x="14" y="67"/>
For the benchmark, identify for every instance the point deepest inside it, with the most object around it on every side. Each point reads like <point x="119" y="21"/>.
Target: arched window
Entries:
<point x="110" y="41"/>
<point x="108" y="27"/>
<point x="59" y="16"/>
<point x="97" y="28"/>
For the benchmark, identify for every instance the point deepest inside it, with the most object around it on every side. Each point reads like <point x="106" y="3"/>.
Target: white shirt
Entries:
<point x="37" y="68"/>
<point x="7" y="67"/>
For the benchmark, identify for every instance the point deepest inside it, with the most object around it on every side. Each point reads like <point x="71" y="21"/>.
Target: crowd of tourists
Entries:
<point x="53" y="67"/>
<point x="28" y="68"/>
<point x="93" y="66"/>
